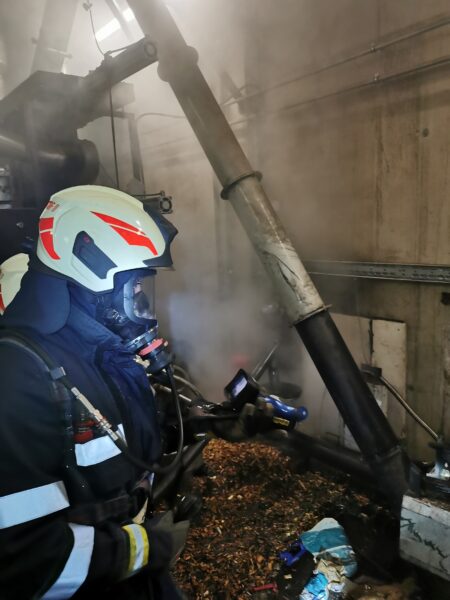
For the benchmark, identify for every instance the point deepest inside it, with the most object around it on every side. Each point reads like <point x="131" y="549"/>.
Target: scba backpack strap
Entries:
<point x="63" y="401"/>
<point x="85" y="511"/>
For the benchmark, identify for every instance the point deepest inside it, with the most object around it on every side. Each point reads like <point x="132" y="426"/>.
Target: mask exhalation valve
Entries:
<point x="153" y="349"/>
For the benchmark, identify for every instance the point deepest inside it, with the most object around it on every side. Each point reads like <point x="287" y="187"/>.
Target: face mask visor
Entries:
<point x="139" y="297"/>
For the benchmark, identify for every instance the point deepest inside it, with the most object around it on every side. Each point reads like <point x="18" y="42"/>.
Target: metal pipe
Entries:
<point x="329" y="454"/>
<point x="363" y="417"/>
<point x="263" y="363"/>
<point x="11" y="148"/>
<point x="15" y="149"/>
<point x="412" y="413"/>
<point x="356" y="403"/>
<point x="178" y="66"/>
<point x="114" y="69"/>
<point x="186" y="383"/>
<point x="3" y="67"/>
<point x="301" y="301"/>
<point x="164" y="388"/>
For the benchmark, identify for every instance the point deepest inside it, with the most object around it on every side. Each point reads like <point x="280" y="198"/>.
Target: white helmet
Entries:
<point x="11" y="273"/>
<point x="89" y="233"/>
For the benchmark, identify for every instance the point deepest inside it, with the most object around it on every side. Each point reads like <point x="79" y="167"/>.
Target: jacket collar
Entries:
<point x="90" y="330"/>
<point x="44" y="304"/>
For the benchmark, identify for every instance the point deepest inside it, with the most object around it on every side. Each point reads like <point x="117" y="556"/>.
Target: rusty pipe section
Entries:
<point x="302" y="302"/>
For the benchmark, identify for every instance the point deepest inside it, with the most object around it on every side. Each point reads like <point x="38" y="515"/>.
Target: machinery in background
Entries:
<point x="160" y="202"/>
<point x="425" y="514"/>
<point x="40" y="152"/>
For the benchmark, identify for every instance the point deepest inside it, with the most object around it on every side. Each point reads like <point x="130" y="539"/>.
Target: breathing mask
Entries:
<point x="129" y="312"/>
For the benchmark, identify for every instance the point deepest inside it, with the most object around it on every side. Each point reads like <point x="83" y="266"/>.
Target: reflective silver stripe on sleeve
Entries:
<point x="97" y="450"/>
<point x="25" y="506"/>
<point x="77" y="566"/>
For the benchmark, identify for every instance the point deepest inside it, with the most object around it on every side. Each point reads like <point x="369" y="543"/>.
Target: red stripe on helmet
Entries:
<point x="47" y="242"/>
<point x="46" y="223"/>
<point x="2" y="304"/>
<point x="136" y="239"/>
<point x="116" y="222"/>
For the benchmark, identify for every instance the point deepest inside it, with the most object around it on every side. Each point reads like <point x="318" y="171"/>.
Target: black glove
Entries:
<point x="166" y="540"/>
<point x="253" y="419"/>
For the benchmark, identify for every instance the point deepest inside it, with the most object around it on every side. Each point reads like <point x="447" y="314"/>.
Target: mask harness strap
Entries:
<point x="57" y="373"/>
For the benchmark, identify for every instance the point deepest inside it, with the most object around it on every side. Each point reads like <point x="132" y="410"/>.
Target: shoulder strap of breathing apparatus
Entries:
<point x="83" y="509"/>
<point x="60" y="378"/>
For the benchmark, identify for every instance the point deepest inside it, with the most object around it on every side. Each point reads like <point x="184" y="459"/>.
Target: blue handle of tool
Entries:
<point x="284" y="411"/>
<point x="295" y="552"/>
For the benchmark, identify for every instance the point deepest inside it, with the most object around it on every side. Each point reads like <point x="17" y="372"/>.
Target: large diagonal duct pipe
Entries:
<point x="2" y="66"/>
<point x="303" y="305"/>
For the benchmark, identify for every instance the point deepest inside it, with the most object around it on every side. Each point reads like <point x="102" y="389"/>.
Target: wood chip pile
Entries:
<point x="254" y="506"/>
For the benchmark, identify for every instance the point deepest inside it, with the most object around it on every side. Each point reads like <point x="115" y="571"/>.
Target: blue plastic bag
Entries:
<point x="327" y="539"/>
<point x="330" y="547"/>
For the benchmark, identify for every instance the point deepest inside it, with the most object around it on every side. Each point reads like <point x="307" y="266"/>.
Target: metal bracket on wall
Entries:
<point x="390" y="271"/>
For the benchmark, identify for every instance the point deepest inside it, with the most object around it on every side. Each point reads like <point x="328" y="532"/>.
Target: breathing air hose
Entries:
<point x="58" y="374"/>
<point x="116" y="436"/>
<point x="156" y="468"/>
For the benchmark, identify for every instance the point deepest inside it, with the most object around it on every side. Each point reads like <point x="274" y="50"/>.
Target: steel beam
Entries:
<point x="439" y="274"/>
<point x="56" y="28"/>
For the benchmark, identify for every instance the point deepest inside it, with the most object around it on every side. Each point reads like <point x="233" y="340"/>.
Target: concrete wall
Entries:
<point x="361" y="175"/>
<point x="364" y="175"/>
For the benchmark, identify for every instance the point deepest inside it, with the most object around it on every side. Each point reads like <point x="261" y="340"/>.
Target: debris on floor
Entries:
<point x="254" y="507"/>
<point x="334" y="559"/>
<point x="327" y="539"/>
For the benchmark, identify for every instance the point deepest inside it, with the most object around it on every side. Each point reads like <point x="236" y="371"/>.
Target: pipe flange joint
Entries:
<point x="150" y="48"/>
<point x="321" y="309"/>
<point x="227" y="187"/>
<point x="176" y="64"/>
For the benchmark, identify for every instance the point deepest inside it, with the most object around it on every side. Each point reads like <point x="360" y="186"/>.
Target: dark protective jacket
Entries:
<point x="65" y="525"/>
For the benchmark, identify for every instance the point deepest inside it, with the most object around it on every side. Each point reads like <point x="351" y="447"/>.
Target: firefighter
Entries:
<point x="11" y="272"/>
<point x="69" y="498"/>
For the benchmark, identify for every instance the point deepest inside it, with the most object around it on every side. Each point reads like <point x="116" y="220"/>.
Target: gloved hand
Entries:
<point x="253" y="419"/>
<point x="166" y="540"/>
